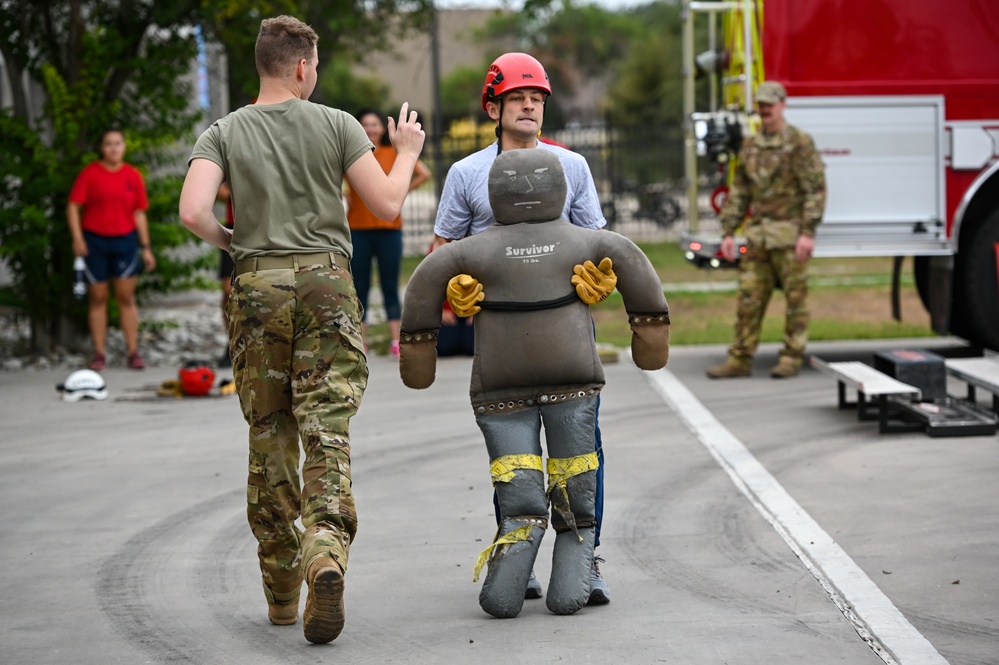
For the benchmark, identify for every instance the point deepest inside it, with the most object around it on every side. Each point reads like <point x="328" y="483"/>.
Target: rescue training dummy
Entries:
<point x="536" y="363"/>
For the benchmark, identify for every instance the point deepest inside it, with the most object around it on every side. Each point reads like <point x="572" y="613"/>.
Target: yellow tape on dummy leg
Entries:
<point x="502" y="468"/>
<point x="561" y="469"/>
<point x="515" y="536"/>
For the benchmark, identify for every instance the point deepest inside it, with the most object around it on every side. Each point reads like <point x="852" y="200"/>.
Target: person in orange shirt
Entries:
<point x="377" y="240"/>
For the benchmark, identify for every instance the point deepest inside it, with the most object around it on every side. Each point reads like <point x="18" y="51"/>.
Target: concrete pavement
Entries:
<point x="124" y="535"/>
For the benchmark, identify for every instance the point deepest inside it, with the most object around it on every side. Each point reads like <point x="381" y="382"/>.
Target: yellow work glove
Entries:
<point x="594" y="283"/>
<point x="463" y="292"/>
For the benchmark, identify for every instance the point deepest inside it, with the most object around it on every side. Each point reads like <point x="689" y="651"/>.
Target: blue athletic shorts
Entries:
<point x="112" y="257"/>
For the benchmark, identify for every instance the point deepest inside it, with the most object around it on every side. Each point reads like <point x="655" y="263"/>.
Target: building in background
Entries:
<point x="407" y="68"/>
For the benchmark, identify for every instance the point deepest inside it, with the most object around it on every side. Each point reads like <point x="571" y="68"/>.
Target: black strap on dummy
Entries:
<point x="529" y="306"/>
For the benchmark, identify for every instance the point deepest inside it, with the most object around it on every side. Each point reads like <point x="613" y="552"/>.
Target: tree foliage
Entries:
<point x="75" y="69"/>
<point x="624" y="63"/>
<point x="352" y="92"/>
<point x="647" y="87"/>
<point x="347" y="29"/>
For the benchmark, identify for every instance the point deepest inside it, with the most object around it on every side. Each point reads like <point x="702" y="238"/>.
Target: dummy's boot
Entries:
<point x="569" y="589"/>
<point x="510" y="566"/>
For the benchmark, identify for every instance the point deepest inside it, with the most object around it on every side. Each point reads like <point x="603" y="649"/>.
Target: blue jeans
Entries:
<point x="385" y="247"/>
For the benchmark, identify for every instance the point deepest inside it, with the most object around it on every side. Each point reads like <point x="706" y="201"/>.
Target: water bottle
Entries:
<point x="79" y="279"/>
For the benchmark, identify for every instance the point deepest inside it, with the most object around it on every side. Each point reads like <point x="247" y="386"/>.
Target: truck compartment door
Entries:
<point x="885" y="172"/>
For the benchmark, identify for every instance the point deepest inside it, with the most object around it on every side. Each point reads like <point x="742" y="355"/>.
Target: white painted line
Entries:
<point x="875" y="618"/>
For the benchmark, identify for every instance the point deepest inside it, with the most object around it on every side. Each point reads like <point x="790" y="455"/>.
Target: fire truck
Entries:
<point x="902" y="100"/>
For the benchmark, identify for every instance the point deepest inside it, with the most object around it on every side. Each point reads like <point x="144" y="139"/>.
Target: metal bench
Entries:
<point x="977" y="373"/>
<point x="870" y="383"/>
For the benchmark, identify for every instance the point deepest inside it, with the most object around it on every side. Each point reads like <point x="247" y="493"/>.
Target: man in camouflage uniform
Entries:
<point x="778" y="197"/>
<point x="294" y="318"/>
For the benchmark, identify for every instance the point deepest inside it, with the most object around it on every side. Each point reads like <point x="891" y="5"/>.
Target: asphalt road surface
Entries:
<point x="747" y="522"/>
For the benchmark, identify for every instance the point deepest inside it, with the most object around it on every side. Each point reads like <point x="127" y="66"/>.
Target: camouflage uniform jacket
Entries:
<point x="779" y="189"/>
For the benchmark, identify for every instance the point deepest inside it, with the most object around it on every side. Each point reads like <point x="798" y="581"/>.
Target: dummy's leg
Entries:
<point x="514" y="445"/>
<point x="572" y="485"/>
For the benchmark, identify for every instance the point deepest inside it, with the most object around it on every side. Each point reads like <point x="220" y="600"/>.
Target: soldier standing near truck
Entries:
<point x="778" y="198"/>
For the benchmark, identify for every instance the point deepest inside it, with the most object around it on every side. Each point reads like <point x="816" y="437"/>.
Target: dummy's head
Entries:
<point x="527" y="186"/>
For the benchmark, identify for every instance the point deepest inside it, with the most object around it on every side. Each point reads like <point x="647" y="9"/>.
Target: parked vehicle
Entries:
<point x="902" y="99"/>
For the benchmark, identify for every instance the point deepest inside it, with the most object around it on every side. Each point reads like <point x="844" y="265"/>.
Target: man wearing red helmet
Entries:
<point x="514" y="94"/>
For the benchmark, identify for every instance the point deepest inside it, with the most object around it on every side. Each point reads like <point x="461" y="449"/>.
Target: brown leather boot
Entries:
<point x="731" y="368"/>
<point x="324" y="616"/>
<point x="283" y="614"/>
<point x="786" y="367"/>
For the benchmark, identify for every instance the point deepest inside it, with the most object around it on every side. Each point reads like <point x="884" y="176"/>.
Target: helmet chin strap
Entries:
<point x="499" y="129"/>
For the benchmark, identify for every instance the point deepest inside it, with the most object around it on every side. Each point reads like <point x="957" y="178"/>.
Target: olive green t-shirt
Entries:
<point x="285" y="165"/>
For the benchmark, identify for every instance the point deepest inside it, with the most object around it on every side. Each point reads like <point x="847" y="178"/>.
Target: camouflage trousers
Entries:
<point x="760" y="271"/>
<point x="300" y="371"/>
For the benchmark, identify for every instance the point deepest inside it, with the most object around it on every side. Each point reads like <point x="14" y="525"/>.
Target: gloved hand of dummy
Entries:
<point x="650" y="341"/>
<point x="463" y="292"/>
<point x="418" y="360"/>
<point x="594" y="283"/>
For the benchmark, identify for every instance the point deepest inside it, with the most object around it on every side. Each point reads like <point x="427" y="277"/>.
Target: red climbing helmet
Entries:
<point x="514" y="71"/>
<point x="196" y="379"/>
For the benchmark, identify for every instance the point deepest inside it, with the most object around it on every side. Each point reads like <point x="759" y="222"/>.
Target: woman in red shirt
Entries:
<point x="376" y="240"/>
<point x="107" y="219"/>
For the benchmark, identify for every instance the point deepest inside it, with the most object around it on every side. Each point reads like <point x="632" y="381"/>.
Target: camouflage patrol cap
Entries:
<point x="770" y="92"/>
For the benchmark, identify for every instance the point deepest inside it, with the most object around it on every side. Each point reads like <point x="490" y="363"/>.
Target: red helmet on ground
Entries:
<point x="514" y="71"/>
<point x="196" y="379"/>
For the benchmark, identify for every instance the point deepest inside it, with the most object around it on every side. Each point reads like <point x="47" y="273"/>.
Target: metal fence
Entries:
<point x="638" y="173"/>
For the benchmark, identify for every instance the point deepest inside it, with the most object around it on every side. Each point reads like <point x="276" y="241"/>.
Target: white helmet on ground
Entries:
<point x="83" y="383"/>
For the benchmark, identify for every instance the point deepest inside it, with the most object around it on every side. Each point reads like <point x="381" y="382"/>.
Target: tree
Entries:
<point x="99" y="63"/>
<point x="461" y="92"/>
<point x="579" y="46"/>
<point x="102" y="63"/>
<point x="347" y="29"/>
<point x="648" y="84"/>
<point x="351" y="92"/>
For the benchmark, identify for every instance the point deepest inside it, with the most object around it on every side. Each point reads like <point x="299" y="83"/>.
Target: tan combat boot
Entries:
<point x="283" y="614"/>
<point x="786" y="367"/>
<point x="730" y="368"/>
<point x="323" y="618"/>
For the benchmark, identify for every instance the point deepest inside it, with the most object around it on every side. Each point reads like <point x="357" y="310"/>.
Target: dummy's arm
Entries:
<point x="421" y="315"/>
<point x="649" y="340"/>
<point x="418" y="358"/>
<point x="463" y="294"/>
<point x="594" y="283"/>
<point x="642" y="291"/>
